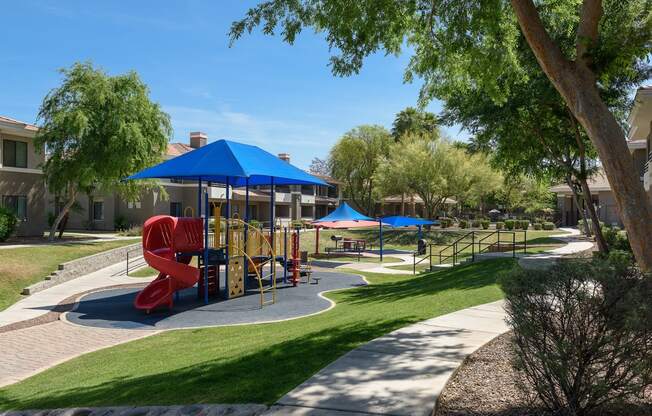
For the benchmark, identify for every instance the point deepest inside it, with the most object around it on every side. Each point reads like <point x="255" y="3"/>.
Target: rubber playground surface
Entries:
<point x="114" y="308"/>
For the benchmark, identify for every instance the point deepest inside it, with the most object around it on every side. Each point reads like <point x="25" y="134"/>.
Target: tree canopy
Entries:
<point x="98" y="129"/>
<point x="415" y="121"/>
<point x="354" y="160"/>
<point x="461" y="43"/>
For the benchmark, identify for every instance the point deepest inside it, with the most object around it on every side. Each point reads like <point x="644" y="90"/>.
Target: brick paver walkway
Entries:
<point x="28" y="351"/>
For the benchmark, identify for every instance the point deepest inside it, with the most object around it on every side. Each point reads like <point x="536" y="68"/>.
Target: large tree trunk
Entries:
<point x="597" y="230"/>
<point x="72" y="195"/>
<point x="576" y="84"/>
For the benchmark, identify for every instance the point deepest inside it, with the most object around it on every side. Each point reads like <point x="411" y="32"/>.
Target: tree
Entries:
<point x="98" y="129"/>
<point x="429" y="168"/>
<point x="532" y="133"/>
<point x="415" y="121"/>
<point x="474" y="43"/>
<point x="319" y="167"/>
<point x="354" y="160"/>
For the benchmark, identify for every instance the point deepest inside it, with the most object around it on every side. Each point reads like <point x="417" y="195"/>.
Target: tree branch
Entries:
<point x="587" y="30"/>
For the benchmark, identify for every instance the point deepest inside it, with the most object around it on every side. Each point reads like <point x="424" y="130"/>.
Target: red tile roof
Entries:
<point x="177" y="149"/>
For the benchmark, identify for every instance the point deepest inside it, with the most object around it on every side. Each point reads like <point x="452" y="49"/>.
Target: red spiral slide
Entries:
<point x="163" y="238"/>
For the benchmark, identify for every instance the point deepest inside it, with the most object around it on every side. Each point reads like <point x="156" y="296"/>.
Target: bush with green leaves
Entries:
<point x="582" y="332"/>
<point x="8" y="223"/>
<point x="509" y="224"/>
<point x="500" y="225"/>
<point x="133" y="231"/>
<point x="485" y="224"/>
<point x="537" y="226"/>
<point x="445" y="222"/>
<point x="616" y="238"/>
<point x="548" y="226"/>
<point x="475" y="223"/>
<point x="525" y="224"/>
<point x="120" y="223"/>
<point x="463" y="224"/>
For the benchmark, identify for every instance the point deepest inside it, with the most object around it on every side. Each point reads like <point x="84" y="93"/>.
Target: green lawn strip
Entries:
<point x="406" y="239"/>
<point x="21" y="267"/>
<point x="354" y="259"/>
<point x="254" y="363"/>
<point x="143" y="272"/>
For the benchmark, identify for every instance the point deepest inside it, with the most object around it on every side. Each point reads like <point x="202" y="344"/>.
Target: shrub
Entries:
<point x="616" y="239"/>
<point x="445" y="222"/>
<point x="537" y="226"/>
<point x="485" y="224"/>
<point x="500" y="225"/>
<point x="120" y="223"/>
<point x="296" y="224"/>
<point x="475" y="223"/>
<point x="525" y="224"/>
<point x="133" y="231"/>
<point x="509" y="224"/>
<point x="548" y="226"/>
<point x="463" y="223"/>
<point x="8" y="223"/>
<point x="582" y="332"/>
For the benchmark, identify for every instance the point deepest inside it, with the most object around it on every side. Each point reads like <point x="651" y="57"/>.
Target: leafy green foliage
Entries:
<point x="500" y="225"/>
<point x="100" y="129"/>
<point x="354" y="160"/>
<point x="485" y="224"/>
<point x="582" y="332"/>
<point x="548" y="226"/>
<point x="413" y="121"/>
<point x="510" y="224"/>
<point x="463" y="224"/>
<point x="8" y="223"/>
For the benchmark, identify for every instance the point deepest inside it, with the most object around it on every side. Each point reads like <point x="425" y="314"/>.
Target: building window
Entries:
<point x="175" y="209"/>
<point x="14" y="154"/>
<point x="16" y="204"/>
<point x="98" y="210"/>
<point x="132" y="205"/>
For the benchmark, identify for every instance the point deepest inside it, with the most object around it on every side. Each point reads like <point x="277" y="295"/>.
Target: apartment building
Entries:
<point x="22" y="189"/>
<point x="639" y="138"/>
<point x="296" y="202"/>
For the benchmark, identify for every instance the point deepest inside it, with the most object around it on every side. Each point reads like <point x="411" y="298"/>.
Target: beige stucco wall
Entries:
<point x="31" y="185"/>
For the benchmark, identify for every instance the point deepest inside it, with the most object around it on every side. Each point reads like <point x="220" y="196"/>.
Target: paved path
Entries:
<point x="40" y="303"/>
<point x="401" y="373"/>
<point x="28" y="351"/>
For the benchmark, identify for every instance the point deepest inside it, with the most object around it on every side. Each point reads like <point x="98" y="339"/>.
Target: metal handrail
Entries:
<point x="460" y="245"/>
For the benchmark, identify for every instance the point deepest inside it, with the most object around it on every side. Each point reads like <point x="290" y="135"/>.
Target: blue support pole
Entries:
<point x="380" y="223"/>
<point x="206" y="219"/>
<point x="271" y="226"/>
<point x="246" y="231"/>
<point x="227" y="242"/>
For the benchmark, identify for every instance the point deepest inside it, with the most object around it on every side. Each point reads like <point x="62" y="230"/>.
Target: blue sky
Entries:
<point x="261" y="91"/>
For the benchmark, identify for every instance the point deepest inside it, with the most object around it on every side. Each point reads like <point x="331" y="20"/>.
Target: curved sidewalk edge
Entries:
<point x="401" y="373"/>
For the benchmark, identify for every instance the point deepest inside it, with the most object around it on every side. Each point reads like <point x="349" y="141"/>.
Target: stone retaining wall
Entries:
<point x="82" y="266"/>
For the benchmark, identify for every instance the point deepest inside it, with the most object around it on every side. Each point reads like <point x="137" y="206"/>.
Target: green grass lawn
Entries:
<point x="254" y="363"/>
<point x="21" y="267"/>
<point x="143" y="272"/>
<point x="405" y="239"/>
<point x="353" y="259"/>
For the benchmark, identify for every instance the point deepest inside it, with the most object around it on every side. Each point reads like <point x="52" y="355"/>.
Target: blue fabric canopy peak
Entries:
<point x="224" y="160"/>
<point x="344" y="213"/>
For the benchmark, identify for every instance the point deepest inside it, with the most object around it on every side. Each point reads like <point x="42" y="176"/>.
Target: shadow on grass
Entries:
<point x="260" y="377"/>
<point x="466" y="277"/>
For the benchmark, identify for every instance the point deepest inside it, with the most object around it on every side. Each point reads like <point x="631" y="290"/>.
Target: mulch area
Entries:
<point x="487" y="385"/>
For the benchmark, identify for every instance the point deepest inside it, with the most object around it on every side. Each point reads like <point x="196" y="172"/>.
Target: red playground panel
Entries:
<point x="164" y="237"/>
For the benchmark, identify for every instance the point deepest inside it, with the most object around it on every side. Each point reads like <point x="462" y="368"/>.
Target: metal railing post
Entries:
<point x="414" y="263"/>
<point x="473" y="246"/>
<point x="524" y="241"/>
<point x="498" y="231"/>
<point x="514" y="245"/>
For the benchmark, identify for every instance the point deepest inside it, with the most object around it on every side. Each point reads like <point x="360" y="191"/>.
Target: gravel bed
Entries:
<point x="487" y="385"/>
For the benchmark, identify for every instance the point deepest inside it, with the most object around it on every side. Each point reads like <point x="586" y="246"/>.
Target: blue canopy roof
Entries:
<point x="399" y="221"/>
<point x="344" y="213"/>
<point x="225" y="159"/>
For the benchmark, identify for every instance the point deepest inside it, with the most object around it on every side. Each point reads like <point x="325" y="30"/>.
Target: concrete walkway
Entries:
<point x="40" y="303"/>
<point x="401" y="373"/>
